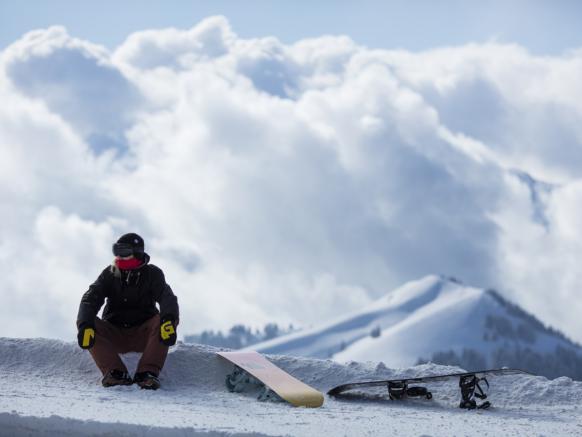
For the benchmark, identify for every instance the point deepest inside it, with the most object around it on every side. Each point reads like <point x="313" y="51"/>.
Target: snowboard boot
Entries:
<point x="147" y="380"/>
<point x="116" y="377"/>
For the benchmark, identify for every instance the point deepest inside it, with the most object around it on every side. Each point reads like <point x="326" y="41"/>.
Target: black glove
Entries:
<point x="86" y="336"/>
<point x="168" y="331"/>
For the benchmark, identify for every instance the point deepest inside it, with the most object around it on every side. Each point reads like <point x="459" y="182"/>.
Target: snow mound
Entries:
<point x="188" y="367"/>
<point x="50" y="387"/>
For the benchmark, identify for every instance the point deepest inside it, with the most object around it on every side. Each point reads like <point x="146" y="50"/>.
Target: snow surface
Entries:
<point x="429" y="315"/>
<point x="50" y="387"/>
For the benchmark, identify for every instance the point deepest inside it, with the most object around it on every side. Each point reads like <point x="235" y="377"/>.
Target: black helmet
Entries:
<point x="129" y="244"/>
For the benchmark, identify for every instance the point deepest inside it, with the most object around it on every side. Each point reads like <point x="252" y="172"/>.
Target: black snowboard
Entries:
<point x="472" y="385"/>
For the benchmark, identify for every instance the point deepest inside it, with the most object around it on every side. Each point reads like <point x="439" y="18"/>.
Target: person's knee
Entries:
<point x="154" y="322"/>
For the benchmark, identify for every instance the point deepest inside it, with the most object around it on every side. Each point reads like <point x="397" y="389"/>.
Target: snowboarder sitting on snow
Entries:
<point x="131" y="321"/>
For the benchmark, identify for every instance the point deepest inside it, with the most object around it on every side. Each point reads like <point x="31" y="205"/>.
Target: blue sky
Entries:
<point x="542" y="26"/>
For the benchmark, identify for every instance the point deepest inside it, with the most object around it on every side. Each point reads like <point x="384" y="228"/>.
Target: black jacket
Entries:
<point x="131" y="296"/>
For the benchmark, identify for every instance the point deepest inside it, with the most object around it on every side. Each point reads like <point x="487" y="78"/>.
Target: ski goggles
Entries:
<point x="123" y="250"/>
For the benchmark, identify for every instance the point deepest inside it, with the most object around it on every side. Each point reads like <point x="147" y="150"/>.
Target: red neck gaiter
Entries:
<point x="128" y="264"/>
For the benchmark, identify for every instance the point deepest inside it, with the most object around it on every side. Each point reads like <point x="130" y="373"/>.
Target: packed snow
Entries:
<point x="50" y="387"/>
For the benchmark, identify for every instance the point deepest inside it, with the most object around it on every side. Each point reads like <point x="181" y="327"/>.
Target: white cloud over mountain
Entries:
<point x="285" y="182"/>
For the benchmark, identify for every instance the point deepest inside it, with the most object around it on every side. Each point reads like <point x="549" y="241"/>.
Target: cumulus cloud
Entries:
<point x="285" y="182"/>
<point x="77" y="81"/>
<point x="523" y="107"/>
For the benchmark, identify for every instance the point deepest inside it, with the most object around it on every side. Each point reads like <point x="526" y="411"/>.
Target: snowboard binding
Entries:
<point x="268" y="395"/>
<point x="400" y="390"/>
<point x="470" y="389"/>
<point x="240" y="380"/>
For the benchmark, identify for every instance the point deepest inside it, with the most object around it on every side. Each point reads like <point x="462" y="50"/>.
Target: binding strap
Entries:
<point x="470" y="388"/>
<point x="479" y="393"/>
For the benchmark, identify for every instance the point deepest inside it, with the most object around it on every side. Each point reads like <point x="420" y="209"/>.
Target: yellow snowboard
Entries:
<point x="286" y="386"/>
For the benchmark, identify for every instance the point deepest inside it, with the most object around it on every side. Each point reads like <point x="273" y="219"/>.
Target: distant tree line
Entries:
<point x="513" y="345"/>
<point x="531" y="322"/>
<point x="499" y="327"/>
<point x="561" y="362"/>
<point x="238" y="336"/>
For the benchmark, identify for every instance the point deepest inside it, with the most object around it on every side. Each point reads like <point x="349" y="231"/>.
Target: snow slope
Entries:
<point x="330" y="338"/>
<point x="419" y="319"/>
<point x="49" y="387"/>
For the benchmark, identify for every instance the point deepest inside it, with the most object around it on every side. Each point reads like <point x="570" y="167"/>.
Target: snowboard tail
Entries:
<point x="472" y="384"/>
<point x="253" y="368"/>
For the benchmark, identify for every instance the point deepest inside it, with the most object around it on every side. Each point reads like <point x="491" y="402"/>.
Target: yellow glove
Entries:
<point x="168" y="332"/>
<point x="86" y="336"/>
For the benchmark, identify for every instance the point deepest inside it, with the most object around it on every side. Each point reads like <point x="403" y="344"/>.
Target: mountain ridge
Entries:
<point x="439" y="319"/>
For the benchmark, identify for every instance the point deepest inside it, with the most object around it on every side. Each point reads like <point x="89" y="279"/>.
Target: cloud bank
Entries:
<point x="286" y="182"/>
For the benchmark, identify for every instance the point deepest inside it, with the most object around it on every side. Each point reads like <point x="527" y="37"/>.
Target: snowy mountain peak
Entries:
<point x="416" y="294"/>
<point x="439" y="319"/>
<point x="416" y="297"/>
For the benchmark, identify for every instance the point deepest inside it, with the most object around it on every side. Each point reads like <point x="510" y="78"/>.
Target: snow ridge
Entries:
<point x="50" y="387"/>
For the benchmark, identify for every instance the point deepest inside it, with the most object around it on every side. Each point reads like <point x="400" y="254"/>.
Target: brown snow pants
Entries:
<point x="110" y="341"/>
